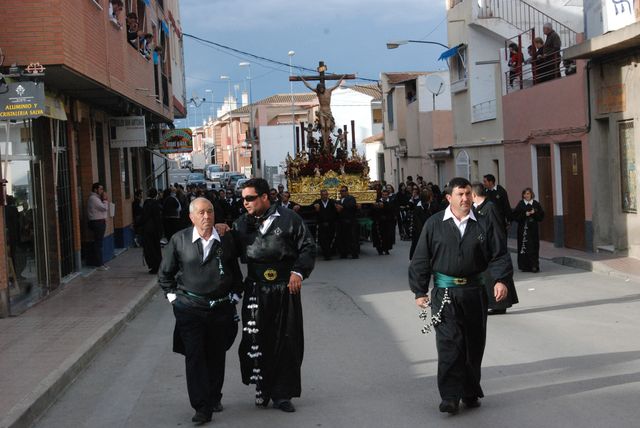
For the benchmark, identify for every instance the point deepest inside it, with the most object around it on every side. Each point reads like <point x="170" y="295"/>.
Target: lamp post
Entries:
<point x="231" y="151"/>
<point x="293" y="115"/>
<point x="254" y="149"/>
<point x="397" y="43"/>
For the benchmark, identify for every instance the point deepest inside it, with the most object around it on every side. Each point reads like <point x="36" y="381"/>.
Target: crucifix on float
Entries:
<point x="324" y="118"/>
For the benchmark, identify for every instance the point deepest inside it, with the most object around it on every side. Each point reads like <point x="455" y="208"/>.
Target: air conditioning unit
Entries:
<point x="401" y="152"/>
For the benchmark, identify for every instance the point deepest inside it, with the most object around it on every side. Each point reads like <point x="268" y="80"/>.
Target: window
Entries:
<point x="462" y="164"/>
<point x="458" y="64"/>
<point x="390" y="109"/>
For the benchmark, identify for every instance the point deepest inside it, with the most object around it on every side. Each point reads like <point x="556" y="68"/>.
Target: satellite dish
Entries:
<point x="435" y="84"/>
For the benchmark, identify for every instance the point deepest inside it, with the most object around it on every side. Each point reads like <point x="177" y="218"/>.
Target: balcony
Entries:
<point x="483" y="111"/>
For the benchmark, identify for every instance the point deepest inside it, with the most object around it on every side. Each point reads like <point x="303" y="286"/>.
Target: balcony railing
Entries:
<point x="536" y="70"/>
<point x="524" y="16"/>
<point x="483" y="111"/>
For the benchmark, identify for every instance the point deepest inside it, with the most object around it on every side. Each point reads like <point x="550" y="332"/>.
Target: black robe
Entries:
<point x="383" y="231"/>
<point x="272" y="343"/>
<point x="489" y="210"/>
<point x="501" y="200"/>
<point x="528" y="235"/>
<point x="461" y="336"/>
<point x="152" y="233"/>
<point x="419" y="215"/>
<point x="348" y="229"/>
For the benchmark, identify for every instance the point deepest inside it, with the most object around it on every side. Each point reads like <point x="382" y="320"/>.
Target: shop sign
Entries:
<point x="618" y="14"/>
<point x="177" y="141"/>
<point x="21" y="100"/>
<point x="128" y="131"/>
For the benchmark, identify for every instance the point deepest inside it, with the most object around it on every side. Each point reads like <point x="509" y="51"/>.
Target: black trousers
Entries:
<point x="348" y="238"/>
<point x="97" y="228"/>
<point x="205" y="337"/>
<point x="460" y="340"/>
<point x="326" y="235"/>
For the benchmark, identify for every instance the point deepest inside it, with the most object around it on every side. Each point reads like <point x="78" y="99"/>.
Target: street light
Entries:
<point x="254" y="150"/>
<point x="395" y="44"/>
<point x="231" y="152"/>
<point x="293" y="115"/>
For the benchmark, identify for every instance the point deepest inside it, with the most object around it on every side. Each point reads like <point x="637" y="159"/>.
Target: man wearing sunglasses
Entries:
<point x="279" y="252"/>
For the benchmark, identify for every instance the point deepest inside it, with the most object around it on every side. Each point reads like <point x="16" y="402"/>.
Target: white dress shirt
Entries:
<point x="460" y="224"/>
<point x="206" y="243"/>
<point x="265" y="224"/>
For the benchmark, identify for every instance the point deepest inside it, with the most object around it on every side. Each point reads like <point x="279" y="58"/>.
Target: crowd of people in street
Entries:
<point x="206" y="233"/>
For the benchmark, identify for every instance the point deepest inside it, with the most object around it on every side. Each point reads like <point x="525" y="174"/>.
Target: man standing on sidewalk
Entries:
<point x="201" y="277"/>
<point x="97" y="213"/>
<point x="456" y="246"/>
<point x="280" y="252"/>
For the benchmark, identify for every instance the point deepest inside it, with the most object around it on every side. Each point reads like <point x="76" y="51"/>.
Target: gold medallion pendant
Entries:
<point x="270" y="274"/>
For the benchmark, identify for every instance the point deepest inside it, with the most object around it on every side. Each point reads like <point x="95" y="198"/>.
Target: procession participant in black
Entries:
<point x="152" y="231"/>
<point x="528" y="213"/>
<point x="484" y="207"/>
<point x="455" y="247"/>
<point x="498" y="195"/>
<point x="347" y="234"/>
<point x="201" y="277"/>
<point x="280" y="252"/>
<point x="286" y="202"/>
<point x="383" y="224"/>
<point x="424" y="208"/>
<point x="326" y="220"/>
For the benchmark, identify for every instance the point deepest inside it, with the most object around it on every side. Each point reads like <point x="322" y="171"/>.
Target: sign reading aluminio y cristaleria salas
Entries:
<point x="21" y="100"/>
<point x="128" y="131"/>
<point x="177" y="141"/>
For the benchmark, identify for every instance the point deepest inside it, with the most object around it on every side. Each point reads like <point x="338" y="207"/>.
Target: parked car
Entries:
<point x="196" y="178"/>
<point x="232" y="179"/>
<point x="214" y="172"/>
<point x="239" y="184"/>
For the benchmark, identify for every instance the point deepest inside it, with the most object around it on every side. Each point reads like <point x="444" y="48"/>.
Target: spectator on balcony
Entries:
<point x="146" y="42"/>
<point x="115" y="7"/>
<point x="132" y="29"/>
<point x="515" y="63"/>
<point x="550" y="64"/>
<point x="535" y="58"/>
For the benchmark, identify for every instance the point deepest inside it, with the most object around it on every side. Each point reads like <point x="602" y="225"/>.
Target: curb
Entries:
<point x="588" y="265"/>
<point x="31" y="407"/>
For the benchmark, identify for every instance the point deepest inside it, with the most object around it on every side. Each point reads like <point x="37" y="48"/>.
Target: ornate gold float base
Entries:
<point x="305" y="190"/>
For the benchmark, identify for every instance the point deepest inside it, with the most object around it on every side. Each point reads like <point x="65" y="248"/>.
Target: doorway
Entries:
<point x="572" y="195"/>
<point x="545" y="191"/>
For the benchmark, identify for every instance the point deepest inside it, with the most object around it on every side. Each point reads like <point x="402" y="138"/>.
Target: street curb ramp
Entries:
<point x="34" y="405"/>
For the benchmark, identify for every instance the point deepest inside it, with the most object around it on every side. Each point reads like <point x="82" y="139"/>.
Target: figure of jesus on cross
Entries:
<point x="324" y="117"/>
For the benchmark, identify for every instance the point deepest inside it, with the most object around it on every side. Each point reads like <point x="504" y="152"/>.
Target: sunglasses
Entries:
<point x="250" y="198"/>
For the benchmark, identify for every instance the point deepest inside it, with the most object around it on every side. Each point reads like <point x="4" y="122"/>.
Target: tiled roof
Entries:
<point x="279" y="99"/>
<point x="374" y="138"/>
<point x="394" y="78"/>
<point x="373" y="90"/>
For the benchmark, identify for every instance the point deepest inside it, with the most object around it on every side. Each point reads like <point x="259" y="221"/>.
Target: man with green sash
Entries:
<point x="455" y="247"/>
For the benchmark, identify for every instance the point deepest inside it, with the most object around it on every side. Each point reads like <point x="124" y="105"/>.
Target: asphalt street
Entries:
<point x="567" y="356"/>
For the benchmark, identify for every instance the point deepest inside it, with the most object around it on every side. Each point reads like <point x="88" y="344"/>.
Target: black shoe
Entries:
<point x="471" y="402"/>
<point x="327" y="257"/>
<point x="535" y="270"/>
<point x="201" y="418"/>
<point x="380" y="252"/>
<point x="153" y="271"/>
<point x="387" y="252"/>
<point x="496" y="311"/>
<point x="264" y="403"/>
<point x="284" y="405"/>
<point x="343" y="257"/>
<point x="449" y="406"/>
<point x="217" y="408"/>
<point x="355" y="256"/>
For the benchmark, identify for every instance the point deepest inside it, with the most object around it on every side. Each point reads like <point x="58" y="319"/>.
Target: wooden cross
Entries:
<point x="322" y="77"/>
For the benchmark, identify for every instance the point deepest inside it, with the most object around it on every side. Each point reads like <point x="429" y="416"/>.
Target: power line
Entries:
<point x="258" y="57"/>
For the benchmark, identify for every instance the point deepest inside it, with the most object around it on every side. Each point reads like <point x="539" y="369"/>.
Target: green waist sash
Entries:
<point x="445" y="281"/>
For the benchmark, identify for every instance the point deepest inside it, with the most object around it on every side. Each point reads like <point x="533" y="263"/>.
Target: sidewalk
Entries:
<point x="609" y="264"/>
<point x="46" y="347"/>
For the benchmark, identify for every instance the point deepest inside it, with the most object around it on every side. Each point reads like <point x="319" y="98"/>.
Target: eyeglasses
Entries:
<point x="250" y="198"/>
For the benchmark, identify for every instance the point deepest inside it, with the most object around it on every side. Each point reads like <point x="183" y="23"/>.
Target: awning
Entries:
<point x="165" y="27"/>
<point x="450" y="52"/>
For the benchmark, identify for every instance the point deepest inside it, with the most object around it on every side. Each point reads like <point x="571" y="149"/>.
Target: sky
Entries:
<point x="350" y="36"/>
